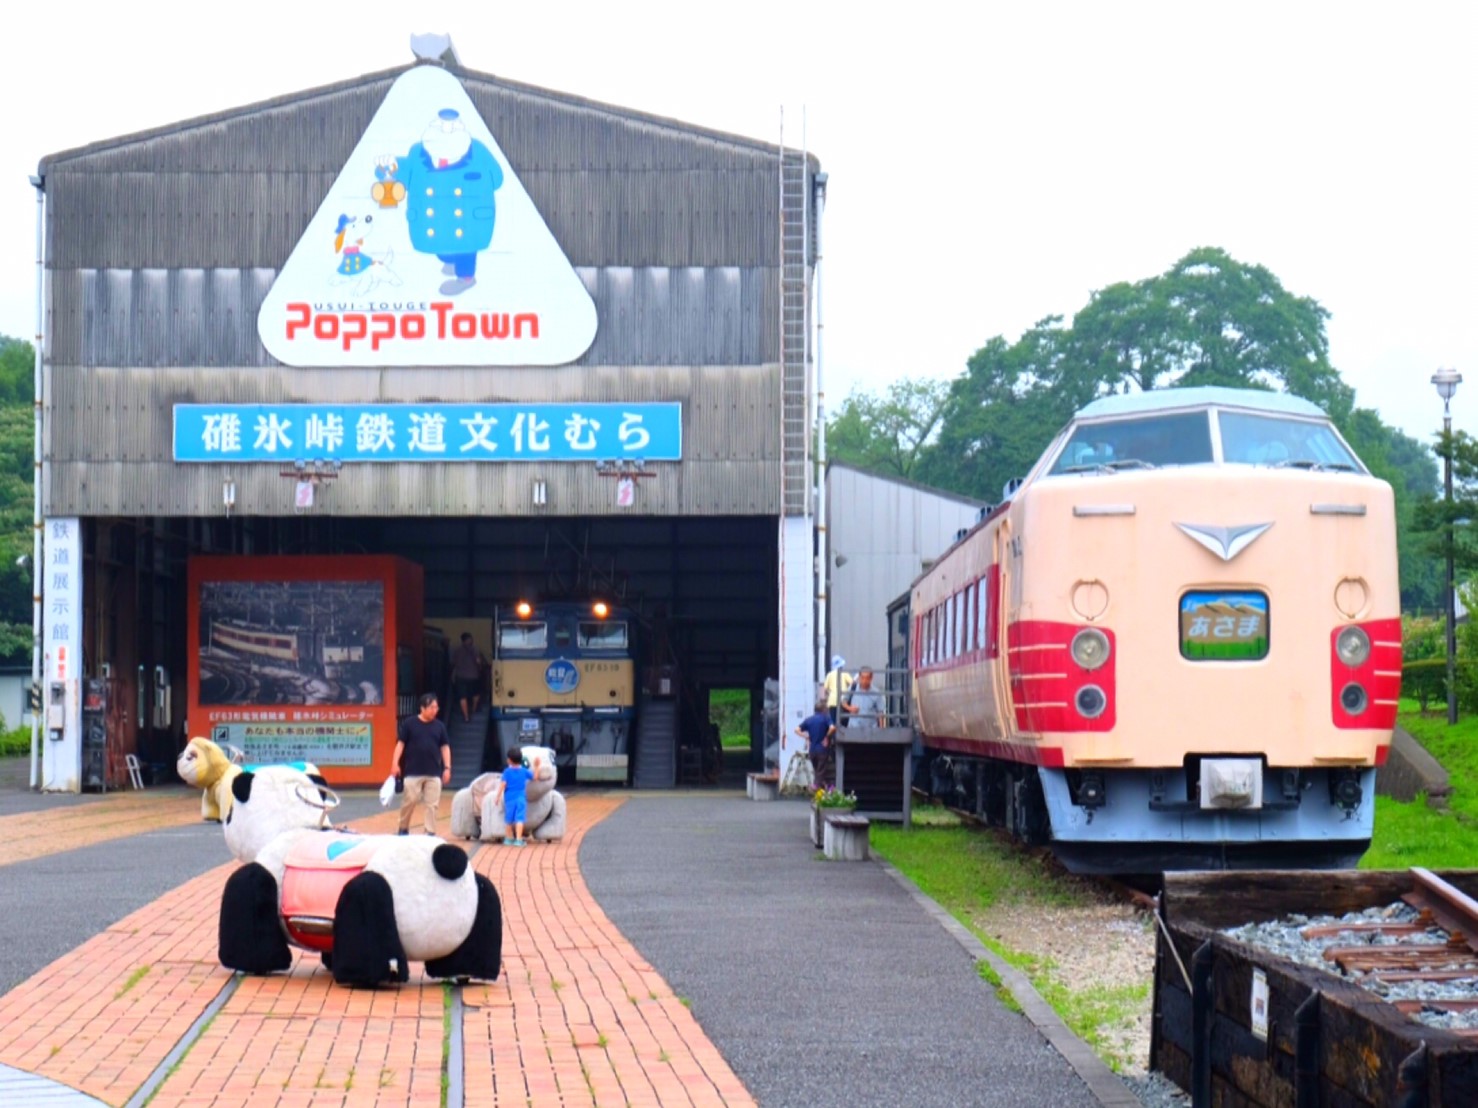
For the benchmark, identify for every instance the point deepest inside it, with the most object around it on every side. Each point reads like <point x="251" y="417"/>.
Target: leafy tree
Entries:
<point x="1407" y="465"/>
<point x="1446" y="526"/>
<point x="1005" y="409"/>
<point x="17" y="464"/>
<point x="1209" y="320"/>
<point x="888" y="435"/>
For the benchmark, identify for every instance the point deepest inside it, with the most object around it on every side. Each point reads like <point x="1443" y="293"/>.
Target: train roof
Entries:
<point x="1159" y="400"/>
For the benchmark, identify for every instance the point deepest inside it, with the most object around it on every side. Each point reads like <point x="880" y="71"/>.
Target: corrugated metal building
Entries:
<point x="884" y="532"/>
<point x="697" y="249"/>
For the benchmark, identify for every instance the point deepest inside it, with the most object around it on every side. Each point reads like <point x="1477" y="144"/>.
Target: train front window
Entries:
<point x="1280" y="441"/>
<point x="522" y="636"/>
<point x="1143" y="442"/>
<point x="603" y="636"/>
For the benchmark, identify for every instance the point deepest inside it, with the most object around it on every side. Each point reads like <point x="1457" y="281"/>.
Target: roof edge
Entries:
<point x="461" y="73"/>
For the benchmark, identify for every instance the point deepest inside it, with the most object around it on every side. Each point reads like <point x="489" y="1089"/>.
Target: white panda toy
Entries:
<point x="369" y="904"/>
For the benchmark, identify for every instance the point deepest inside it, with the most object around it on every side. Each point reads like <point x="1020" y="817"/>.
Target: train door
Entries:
<point x="1006" y="605"/>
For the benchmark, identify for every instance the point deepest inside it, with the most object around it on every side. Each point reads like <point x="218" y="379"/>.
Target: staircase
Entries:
<point x="655" y="753"/>
<point x="468" y="741"/>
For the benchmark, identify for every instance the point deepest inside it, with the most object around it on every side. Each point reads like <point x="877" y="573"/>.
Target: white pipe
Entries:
<point x="823" y="543"/>
<point x="36" y="519"/>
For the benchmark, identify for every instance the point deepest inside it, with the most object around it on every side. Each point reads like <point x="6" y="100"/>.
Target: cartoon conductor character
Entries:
<point x="449" y="180"/>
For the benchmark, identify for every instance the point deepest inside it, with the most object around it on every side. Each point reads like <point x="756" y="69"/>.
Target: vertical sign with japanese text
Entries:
<point x="61" y="592"/>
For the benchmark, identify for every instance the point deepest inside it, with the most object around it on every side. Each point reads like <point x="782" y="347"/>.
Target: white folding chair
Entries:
<point x="135" y="774"/>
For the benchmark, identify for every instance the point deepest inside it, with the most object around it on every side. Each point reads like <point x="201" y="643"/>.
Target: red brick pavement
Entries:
<point x="577" y="1017"/>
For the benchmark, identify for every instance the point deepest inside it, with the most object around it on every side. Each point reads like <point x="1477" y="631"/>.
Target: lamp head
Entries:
<point x="1447" y="381"/>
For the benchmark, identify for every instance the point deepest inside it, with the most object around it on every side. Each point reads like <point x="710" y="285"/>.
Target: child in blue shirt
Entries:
<point x="513" y="789"/>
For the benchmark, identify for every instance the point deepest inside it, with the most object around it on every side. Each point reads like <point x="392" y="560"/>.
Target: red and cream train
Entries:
<point x="1177" y="644"/>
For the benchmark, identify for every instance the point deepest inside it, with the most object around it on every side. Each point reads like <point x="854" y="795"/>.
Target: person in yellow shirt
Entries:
<point x="836" y="685"/>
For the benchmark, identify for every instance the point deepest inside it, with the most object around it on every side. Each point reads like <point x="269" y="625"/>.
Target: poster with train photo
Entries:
<point x="292" y="642"/>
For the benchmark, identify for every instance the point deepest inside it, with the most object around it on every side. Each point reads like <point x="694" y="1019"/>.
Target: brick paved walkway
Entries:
<point x="577" y="1018"/>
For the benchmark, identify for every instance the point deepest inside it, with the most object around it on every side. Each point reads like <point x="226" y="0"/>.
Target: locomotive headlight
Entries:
<point x="1353" y="646"/>
<point x="524" y="609"/>
<point x="1090" y="648"/>
<point x="1353" y="698"/>
<point x="599" y="609"/>
<point x="1090" y="702"/>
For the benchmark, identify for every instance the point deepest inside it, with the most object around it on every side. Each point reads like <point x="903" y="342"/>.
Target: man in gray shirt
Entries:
<point x="864" y="705"/>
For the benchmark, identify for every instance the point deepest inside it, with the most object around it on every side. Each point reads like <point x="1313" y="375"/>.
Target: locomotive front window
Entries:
<point x="1280" y="441"/>
<point x="603" y="636"/>
<point x="522" y="636"/>
<point x="1144" y="442"/>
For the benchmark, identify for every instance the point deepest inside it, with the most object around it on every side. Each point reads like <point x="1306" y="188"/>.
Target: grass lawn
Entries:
<point x="1415" y="835"/>
<point x="975" y="876"/>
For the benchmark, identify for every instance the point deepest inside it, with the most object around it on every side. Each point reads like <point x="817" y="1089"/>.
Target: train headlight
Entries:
<point x="1090" y="702"/>
<point x="1353" y="646"/>
<point x="599" y="609"/>
<point x="1090" y="648"/>
<point x="1353" y="698"/>
<point x="524" y="609"/>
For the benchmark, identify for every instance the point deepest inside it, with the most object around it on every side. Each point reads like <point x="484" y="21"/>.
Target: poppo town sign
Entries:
<point x="427" y="251"/>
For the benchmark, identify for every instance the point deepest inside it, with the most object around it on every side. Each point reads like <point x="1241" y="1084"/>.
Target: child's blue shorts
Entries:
<point x="515" y="808"/>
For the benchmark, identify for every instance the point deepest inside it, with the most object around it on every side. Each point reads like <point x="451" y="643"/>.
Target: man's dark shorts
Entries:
<point x="466" y="690"/>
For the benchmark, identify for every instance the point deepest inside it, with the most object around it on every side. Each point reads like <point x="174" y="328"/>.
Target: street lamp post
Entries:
<point x="1447" y="381"/>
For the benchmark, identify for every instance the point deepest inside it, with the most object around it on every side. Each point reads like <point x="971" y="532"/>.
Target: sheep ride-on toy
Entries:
<point x="368" y="904"/>
<point x="206" y="765"/>
<point x="476" y="814"/>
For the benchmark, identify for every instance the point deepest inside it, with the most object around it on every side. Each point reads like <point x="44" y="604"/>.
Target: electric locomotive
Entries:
<point x="1176" y="645"/>
<point x="564" y="678"/>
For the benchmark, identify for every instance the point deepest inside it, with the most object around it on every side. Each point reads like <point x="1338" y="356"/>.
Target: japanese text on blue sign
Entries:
<point x="427" y="432"/>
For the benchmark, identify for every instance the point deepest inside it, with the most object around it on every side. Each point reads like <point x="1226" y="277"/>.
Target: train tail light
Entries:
<point x="1365" y="673"/>
<point x="1090" y="701"/>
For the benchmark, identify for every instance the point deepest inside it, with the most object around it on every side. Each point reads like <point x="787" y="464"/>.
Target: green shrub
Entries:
<point x="1425" y="680"/>
<point x="1422" y="637"/>
<point x="14" y="741"/>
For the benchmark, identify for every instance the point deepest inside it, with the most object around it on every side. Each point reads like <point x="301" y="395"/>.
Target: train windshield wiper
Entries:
<point x="1312" y="465"/>
<point x="1109" y="467"/>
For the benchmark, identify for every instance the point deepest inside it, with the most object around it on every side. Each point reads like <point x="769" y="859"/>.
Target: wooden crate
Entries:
<point x="1329" y="1041"/>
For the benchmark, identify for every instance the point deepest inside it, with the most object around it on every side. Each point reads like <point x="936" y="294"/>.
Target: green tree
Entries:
<point x="1208" y="320"/>
<point x="1002" y="412"/>
<point x="17" y="464"/>
<point x="1451" y="526"/>
<point x="888" y="435"/>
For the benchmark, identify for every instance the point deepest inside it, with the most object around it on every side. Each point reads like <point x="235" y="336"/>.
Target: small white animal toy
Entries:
<point x="368" y="904"/>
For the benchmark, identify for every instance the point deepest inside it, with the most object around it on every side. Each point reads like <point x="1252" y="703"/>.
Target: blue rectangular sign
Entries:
<point x="427" y="432"/>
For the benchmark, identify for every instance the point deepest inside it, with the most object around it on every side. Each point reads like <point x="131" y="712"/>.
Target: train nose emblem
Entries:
<point x="1225" y="542"/>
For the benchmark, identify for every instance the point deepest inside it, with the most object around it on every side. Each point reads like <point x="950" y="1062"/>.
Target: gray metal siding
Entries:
<point x="161" y="248"/>
<point x="110" y="450"/>
<point x="885" y="530"/>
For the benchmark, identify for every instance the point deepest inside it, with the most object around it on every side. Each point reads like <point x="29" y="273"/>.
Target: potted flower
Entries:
<point x="828" y="800"/>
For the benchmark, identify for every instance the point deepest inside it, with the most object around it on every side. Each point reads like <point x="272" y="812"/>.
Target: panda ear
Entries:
<point x="241" y="787"/>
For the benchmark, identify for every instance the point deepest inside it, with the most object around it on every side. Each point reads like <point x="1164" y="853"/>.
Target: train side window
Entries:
<point x="951" y="625"/>
<point x="970" y="617"/>
<point x="959" y="624"/>
<point x="982" y="612"/>
<point x="938" y="634"/>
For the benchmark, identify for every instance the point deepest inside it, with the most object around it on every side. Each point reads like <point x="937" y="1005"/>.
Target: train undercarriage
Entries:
<point x="1128" y="822"/>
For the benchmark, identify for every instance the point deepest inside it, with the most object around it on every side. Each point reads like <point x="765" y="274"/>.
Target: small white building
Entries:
<point x="882" y="532"/>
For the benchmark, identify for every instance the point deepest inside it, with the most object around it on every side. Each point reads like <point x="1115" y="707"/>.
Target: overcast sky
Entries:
<point x="986" y="169"/>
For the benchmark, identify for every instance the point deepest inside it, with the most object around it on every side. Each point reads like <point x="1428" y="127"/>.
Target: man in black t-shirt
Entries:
<point x="423" y="756"/>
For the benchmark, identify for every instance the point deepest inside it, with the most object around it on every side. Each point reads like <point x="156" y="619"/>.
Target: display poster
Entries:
<point x="324" y="744"/>
<point x="274" y="643"/>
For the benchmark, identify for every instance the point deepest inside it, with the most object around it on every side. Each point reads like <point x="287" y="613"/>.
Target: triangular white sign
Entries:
<point x="427" y="251"/>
